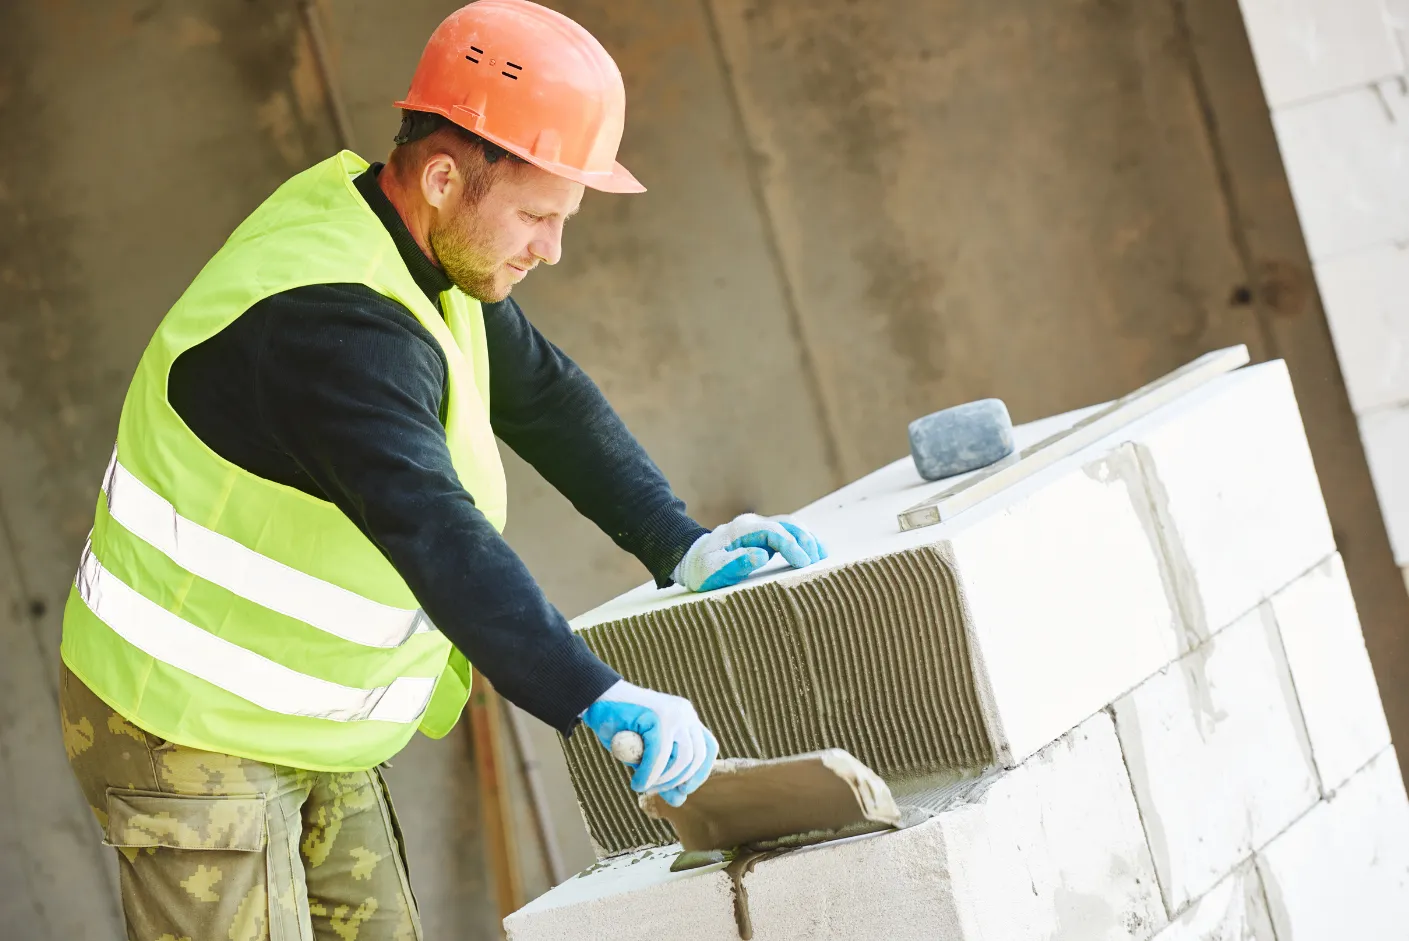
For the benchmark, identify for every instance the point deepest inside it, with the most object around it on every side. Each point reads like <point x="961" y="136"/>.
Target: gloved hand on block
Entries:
<point x="679" y="751"/>
<point x="732" y="552"/>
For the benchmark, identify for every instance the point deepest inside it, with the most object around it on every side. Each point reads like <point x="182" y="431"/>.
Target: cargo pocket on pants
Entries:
<point x="192" y="867"/>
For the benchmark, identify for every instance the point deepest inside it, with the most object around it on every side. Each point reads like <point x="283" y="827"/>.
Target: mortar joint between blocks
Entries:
<point x="1139" y="812"/>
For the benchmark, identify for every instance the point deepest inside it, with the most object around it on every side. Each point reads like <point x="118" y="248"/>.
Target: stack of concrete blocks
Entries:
<point x="1188" y="740"/>
<point x="1334" y="73"/>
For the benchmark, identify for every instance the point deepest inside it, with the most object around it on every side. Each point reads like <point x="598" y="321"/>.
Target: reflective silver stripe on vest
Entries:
<point x="267" y="582"/>
<point x="157" y="632"/>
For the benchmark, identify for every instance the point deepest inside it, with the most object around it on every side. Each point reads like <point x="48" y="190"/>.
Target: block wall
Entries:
<point x="1334" y="73"/>
<point x="1246" y="792"/>
<point x="1244" y="786"/>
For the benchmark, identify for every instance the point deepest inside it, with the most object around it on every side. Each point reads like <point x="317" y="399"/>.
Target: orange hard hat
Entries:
<point x="532" y="81"/>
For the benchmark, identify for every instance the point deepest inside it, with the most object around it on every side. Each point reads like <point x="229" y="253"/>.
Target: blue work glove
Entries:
<point x="679" y="751"/>
<point x="731" y="553"/>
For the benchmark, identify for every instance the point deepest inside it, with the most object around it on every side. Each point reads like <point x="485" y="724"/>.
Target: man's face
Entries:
<point x="489" y="246"/>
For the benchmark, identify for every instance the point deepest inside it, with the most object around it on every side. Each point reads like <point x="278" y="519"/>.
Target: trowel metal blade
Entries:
<point x="780" y="802"/>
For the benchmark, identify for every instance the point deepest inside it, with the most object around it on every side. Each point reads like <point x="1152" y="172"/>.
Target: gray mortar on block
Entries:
<point x="871" y="657"/>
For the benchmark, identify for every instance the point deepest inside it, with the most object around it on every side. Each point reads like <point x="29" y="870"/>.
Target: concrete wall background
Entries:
<point x="857" y="213"/>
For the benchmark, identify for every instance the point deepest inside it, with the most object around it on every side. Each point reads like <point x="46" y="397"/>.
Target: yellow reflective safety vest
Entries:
<point x="225" y="612"/>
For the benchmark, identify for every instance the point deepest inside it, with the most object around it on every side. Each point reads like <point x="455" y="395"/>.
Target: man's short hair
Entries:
<point x="424" y="133"/>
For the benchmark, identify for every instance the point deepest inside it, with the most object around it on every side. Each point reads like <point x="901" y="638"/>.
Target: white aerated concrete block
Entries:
<point x="1050" y="851"/>
<point x="1385" y="434"/>
<point x="631" y="898"/>
<point x="1067" y="605"/>
<point x="1055" y="850"/>
<point x="1341" y="873"/>
<point x="1306" y="48"/>
<point x="1218" y="756"/>
<point x="1331" y="671"/>
<point x="1366" y="297"/>
<point x="1236" y="496"/>
<point x="1233" y="910"/>
<point x="1347" y="160"/>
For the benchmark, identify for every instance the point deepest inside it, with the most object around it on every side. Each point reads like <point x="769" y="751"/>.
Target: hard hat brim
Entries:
<point x="617" y="180"/>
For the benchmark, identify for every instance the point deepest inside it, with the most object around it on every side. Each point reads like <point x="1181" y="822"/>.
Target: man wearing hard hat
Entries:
<point x="297" y="549"/>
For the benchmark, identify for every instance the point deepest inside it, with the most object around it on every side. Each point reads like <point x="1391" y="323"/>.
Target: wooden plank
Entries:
<point x="949" y="503"/>
<point x="538" y="797"/>
<point x="491" y="769"/>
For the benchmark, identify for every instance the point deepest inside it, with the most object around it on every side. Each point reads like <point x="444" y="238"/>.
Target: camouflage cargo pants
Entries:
<point x="217" y="848"/>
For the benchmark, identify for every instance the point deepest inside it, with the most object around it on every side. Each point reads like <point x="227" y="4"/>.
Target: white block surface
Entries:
<point x="1067" y="606"/>
<point x="1234" y="910"/>
<point x="1310" y="47"/>
<point x="1051" y="851"/>
<point x="1236" y="495"/>
<point x="1218" y="757"/>
<point x="1330" y="668"/>
<point x="1385" y="434"/>
<point x="631" y="898"/>
<point x="1341" y="873"/>
<point x="1366" y="297"/>
<point x="1055" y="849"/>
<point x="1347" y="159"/>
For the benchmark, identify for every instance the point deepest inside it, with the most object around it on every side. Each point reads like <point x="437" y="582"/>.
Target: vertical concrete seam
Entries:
<point x="1237" y="231"/>
<point x="1284" y="666"/>
<point x="1164" y="898"/>
<point x="825" y="413"/>
<point x="1176" y="570"/>
<point x="1264" y="878"/>
<point x="322" y="57"/>
<point x="1266" y="899"/>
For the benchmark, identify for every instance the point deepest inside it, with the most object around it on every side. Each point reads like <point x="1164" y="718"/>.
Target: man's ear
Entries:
<point x="440" y="180"/>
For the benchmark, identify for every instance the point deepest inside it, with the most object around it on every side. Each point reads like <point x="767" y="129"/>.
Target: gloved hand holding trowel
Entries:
<point x="657" y="734"/>
<point x="673" y="751"/>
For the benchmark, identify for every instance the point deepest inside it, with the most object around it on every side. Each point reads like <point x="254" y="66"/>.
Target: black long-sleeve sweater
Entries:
<point x="338" y="391"/>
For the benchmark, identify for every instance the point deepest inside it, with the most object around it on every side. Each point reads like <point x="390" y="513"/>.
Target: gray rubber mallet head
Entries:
<point x="963" y="438"/>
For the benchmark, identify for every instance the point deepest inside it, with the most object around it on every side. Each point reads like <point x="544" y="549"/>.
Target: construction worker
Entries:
<point x="297" y="547"/>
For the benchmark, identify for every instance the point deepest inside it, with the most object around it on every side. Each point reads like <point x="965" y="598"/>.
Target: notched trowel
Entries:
<point x="780" y="802"/>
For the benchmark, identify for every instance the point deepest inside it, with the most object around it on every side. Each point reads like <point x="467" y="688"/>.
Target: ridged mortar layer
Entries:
<point x="871" y="657"/>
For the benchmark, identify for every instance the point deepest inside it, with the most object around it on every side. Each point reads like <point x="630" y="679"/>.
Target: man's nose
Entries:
<point x="547" y="246"/>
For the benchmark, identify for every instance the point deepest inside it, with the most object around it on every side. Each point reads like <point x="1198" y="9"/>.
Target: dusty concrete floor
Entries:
<point x="857" y="213"/>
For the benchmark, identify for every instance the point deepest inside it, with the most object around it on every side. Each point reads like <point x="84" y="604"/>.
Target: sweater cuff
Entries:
<point x="566" y="681"/>
<point x="662" y="539"/>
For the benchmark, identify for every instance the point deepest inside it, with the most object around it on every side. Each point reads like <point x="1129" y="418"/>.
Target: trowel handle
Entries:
<point x="627" y="747"/>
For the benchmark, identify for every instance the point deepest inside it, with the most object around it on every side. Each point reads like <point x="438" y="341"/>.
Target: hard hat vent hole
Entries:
<point x="510" y="75"/>
<point x="513" y="65"/>
<point x="478" y="49"/>
<point x="473" y="59"/>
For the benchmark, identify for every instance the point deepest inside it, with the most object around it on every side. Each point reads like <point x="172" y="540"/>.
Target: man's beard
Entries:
<point x="466" y="265"/>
